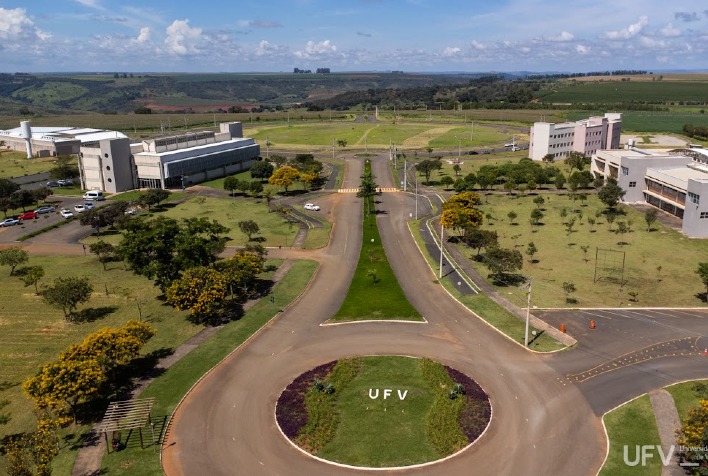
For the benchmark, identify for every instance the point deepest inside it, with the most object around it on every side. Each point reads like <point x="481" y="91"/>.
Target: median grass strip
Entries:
<point x="169" y="388"/>
<point x="374" y="293"/>
<point x="631" y="424"/>
<point x="687" y="395"/>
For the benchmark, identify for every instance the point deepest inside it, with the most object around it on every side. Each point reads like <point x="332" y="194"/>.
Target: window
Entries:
<point x="704" y="214"/>
<point x="108" y="167"/>
<point x="632" y="184"/>
<point x="625" y="171"/>
<point x="694" y="198"/>
<point x="110" y="180"/>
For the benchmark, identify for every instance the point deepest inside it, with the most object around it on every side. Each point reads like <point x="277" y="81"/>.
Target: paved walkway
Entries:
<point x="90" y="455"/>
<point x="667" y="420"/>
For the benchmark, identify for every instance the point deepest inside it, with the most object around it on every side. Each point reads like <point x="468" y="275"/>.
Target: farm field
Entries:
<point x="652" y="121"/>
<point x="654" y="92"/>
<point x="659" y="267"/>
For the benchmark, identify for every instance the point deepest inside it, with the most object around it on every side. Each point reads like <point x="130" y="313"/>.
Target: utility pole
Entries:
<point x="416" y="196"/>
<point x="405" y="173"/>
<point x="442" y="233"/>
<point x="528" y="313"/>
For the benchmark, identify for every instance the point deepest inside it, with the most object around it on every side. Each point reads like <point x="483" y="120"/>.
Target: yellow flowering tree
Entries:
<point x="459" y="213"/>
<point x="284" y="177"/>
<point x="200" y="290"/>
<point x="693" y="434"/>
<point x="242" y="269"/>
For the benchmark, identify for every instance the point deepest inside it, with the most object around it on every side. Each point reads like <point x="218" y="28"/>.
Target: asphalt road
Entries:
<point x="227" y="426"/>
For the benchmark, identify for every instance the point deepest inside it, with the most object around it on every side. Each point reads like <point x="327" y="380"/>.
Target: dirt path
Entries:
<point x="424" y="138"/>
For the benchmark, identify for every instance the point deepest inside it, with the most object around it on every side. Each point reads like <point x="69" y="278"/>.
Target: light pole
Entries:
<point x="528" y="312"/>
<point x="442" y="233"/>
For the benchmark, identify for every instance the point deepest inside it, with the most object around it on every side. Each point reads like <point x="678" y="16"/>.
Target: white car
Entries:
<point x="88" y="206"/>
<point x="312" y="206"/>
<point x="66" y="213"/>
<point x="80" y="208"/>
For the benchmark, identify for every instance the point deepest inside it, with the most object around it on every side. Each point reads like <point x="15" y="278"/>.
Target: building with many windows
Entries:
<point x="586" y="136"/>
<point x="52" y="141"/>
<point x="670" y="180"/>
<point x="116" y="165"/>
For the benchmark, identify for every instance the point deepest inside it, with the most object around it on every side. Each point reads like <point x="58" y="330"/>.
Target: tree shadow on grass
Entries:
<point x="507" y="279"/>
<point x="92" y="314"/>
<point x="702" y="296"/>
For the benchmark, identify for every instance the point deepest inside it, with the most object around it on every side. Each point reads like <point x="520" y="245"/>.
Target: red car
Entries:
<point x="27" y="216"/>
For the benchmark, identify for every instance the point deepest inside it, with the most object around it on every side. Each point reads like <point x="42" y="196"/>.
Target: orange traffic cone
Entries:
<point x="592" y="324"/>
<point x="563" y="328"/>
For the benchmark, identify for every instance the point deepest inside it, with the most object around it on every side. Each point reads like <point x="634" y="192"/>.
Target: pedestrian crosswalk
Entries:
<point x="355" y="190"/>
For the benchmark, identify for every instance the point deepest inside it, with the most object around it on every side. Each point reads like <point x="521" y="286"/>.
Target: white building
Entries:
<point x="116" y="165"/>
<point x="52" y="141"/>
<point x="671" y="180"/>
<point x="586" y="136"/>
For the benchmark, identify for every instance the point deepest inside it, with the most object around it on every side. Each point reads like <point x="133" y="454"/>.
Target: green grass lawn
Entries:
<point x="685" y="396"/>
<point x="374" y="292"/>
<point x="383" y="432"/>
<point x="16" y="164"/>
<point x="659" y="265"/>
<point x="631" y="424"/>
<point x="169" y="388"/>
<point x="487" y="309"/>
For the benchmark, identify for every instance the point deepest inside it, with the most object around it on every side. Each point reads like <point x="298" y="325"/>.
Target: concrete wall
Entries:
<point x="693" y="225"/>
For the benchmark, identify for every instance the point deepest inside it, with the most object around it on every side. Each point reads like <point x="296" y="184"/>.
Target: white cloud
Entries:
<point x="317" y="50"/>
<point x="477" y="45"/>
<point x="143" y="36"/>
<point x="182" y="39"/>
<point x="451" y="51"/>
<point x="15" y="25"/>
<point x="669" y="31"/>
<point x="582" y="49"/>
<point x="629" y="32"/>
<point x="89" y="3"/>
<point x="266" y="48"/>
<point x="562" y="37"/>
<point x="651" y="43"/>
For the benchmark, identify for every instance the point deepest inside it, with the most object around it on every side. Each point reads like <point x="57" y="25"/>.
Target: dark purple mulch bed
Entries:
<point x="476" y="413"/>
<point x="291" y="412"/>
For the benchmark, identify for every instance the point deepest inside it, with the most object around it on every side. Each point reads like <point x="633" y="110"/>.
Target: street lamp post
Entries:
<point x="442" y="233"/>
<point x="528" y="312"/>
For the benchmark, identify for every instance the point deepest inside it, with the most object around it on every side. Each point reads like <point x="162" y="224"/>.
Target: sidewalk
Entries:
<point x="667" y="420"/>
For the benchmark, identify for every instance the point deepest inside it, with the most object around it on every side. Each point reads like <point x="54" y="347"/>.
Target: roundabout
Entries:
<point x="383" y="411"/>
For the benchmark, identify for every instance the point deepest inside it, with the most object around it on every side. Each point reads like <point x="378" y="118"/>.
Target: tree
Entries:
<point x="576" y="160"/>
<point x="308" y="178"/>
<point x="162" y="248"/>
<point x="560" y="181"/>
<point x="31" y="277"/>
<point x="568" y="289"/>
<point x="539" y="201"/>
<point x="367" y="187"/>
<point x="231" y="184"/>
<point x="249" y="228"/>
<point x="41" y="194"/>
<point x="457" y="169"/>
<point x="531" y="250"/>
<point x="702" y="272"/>
<point x="460" y="212"/>
<point x="548" y="158"/>
<point x="278" y="160"/>
<point x="243" y="186"/>
<point x="532" y="185"/>
<point x="426" y="167"/>
<point x="447" y="181"/>
<point x="256" y="188"/>
<point x="342" y="143"/>
<point x="8" y="187"/>
<point x="610" y="194"/>
<point x="510" y="185"/>
<point x="105" y="216"/>
<point x="104" y="251"/>
<point x="477" y="239"/>
<point x="200" y="290"/>
<point x="65" y="167"/>
<point x="591" y="222"/>
<point x="693" y="434"/>
<point x="284" y="177"/>
<point x="262" y="170"/>
<point x="610" y="216"/>
<point x="67" y="293"/>
<point x="622" y="228"/>
<point x="242" y="269"/>
<point x="268" y="195"/>
<point x="502" y="261"/>
<point x="512" y="216"/>
<point x="650" y="217"/>
<point x="536" y="216"/>
<point x="154" y="196"/>
<point x="13" y="257"/>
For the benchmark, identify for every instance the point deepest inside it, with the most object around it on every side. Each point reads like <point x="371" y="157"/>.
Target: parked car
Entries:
<point x="53" y="183"/>
<point x="45" y="209"/>
<point x="9" y="222"/>
<point x="66" y="213"/>
<point x="312" y="206"/>
<point x="88" y="206"/>
<point x="80" y="208"/>
<point x="93" y="195"/>
<point x="472" y="152"/>
<point x="65" y="182"/>
<point x="27" y="216"/>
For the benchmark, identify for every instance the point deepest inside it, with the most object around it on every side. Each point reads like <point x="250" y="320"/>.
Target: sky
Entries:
<point x="352" y="35"/>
